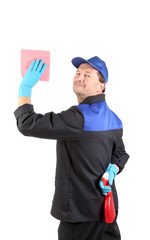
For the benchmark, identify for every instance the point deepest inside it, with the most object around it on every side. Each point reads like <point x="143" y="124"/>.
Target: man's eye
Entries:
<point x="87" y="75"/>
<point x="77" y="73"/>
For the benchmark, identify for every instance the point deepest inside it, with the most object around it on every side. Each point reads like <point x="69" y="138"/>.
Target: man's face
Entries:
<point x="86" y="81"/>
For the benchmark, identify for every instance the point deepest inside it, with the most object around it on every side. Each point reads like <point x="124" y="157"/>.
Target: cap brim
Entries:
<point x="78" y="61"/>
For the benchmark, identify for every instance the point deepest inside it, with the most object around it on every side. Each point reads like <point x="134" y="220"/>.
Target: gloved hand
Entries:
<point x="112" y="171"/>
<point x="31" y="77"/>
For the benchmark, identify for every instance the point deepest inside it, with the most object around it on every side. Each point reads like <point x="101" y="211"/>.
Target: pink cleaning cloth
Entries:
<point x="27" y="56"/>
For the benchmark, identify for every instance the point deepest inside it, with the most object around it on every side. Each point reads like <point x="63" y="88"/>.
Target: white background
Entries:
<point x="118" y="32"/>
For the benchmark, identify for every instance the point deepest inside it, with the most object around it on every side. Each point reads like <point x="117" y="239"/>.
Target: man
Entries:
<point x="89" y="142"/>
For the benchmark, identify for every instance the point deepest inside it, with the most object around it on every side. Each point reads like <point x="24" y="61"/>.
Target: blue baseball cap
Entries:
<point x="95" y="62"/>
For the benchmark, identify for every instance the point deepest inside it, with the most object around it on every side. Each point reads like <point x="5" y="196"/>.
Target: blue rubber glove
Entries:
<point x="31" y="77"/>
<point x="104" y="189"/>
<point x="112" y="171"/>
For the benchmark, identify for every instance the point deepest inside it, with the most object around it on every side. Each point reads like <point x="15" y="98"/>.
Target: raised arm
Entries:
<point x="65" y="125"/>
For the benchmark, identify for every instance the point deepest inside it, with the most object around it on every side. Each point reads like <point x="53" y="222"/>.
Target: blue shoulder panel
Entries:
<point x="98" y="117"/>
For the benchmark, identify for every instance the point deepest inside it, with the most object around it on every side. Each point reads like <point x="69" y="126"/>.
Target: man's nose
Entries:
<point x="81" y="78"/>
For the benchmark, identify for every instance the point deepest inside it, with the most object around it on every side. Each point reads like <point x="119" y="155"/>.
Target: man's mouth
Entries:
<point x="79" y="84"/>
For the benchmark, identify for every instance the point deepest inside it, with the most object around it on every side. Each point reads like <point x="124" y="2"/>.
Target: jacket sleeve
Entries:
<point x="120" y="157"/>
<point x="62" y="126"/>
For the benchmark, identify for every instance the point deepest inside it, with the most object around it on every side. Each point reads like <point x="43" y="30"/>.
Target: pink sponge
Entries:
<point x="27" y="56"/>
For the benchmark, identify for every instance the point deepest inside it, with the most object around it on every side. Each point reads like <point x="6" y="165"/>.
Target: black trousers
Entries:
<point x="88" y="231"/>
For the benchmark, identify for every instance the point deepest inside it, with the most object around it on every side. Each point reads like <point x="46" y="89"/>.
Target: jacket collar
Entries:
<point x="94" y="99"/>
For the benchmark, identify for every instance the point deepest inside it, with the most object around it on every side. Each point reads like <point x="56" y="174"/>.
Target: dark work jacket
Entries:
<point x="89" y="137"/>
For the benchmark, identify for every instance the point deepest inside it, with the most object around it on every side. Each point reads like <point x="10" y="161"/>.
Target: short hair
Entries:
<point x="101" y="79"/>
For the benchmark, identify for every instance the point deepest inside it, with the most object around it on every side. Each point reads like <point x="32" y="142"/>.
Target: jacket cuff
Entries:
<point x="23" y="109"/>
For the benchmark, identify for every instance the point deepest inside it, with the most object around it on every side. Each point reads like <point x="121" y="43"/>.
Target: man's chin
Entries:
<point x="78" y="92"/>
<point x="78" y="89"/>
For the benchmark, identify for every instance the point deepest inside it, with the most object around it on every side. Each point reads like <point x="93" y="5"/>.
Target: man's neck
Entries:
<point x="81" y="98"/>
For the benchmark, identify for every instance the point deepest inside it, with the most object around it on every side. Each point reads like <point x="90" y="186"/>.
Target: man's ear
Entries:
<point x="101" y="87"/>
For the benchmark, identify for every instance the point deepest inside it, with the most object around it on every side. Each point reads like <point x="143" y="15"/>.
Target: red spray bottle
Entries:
<point x="109" y="206"/>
